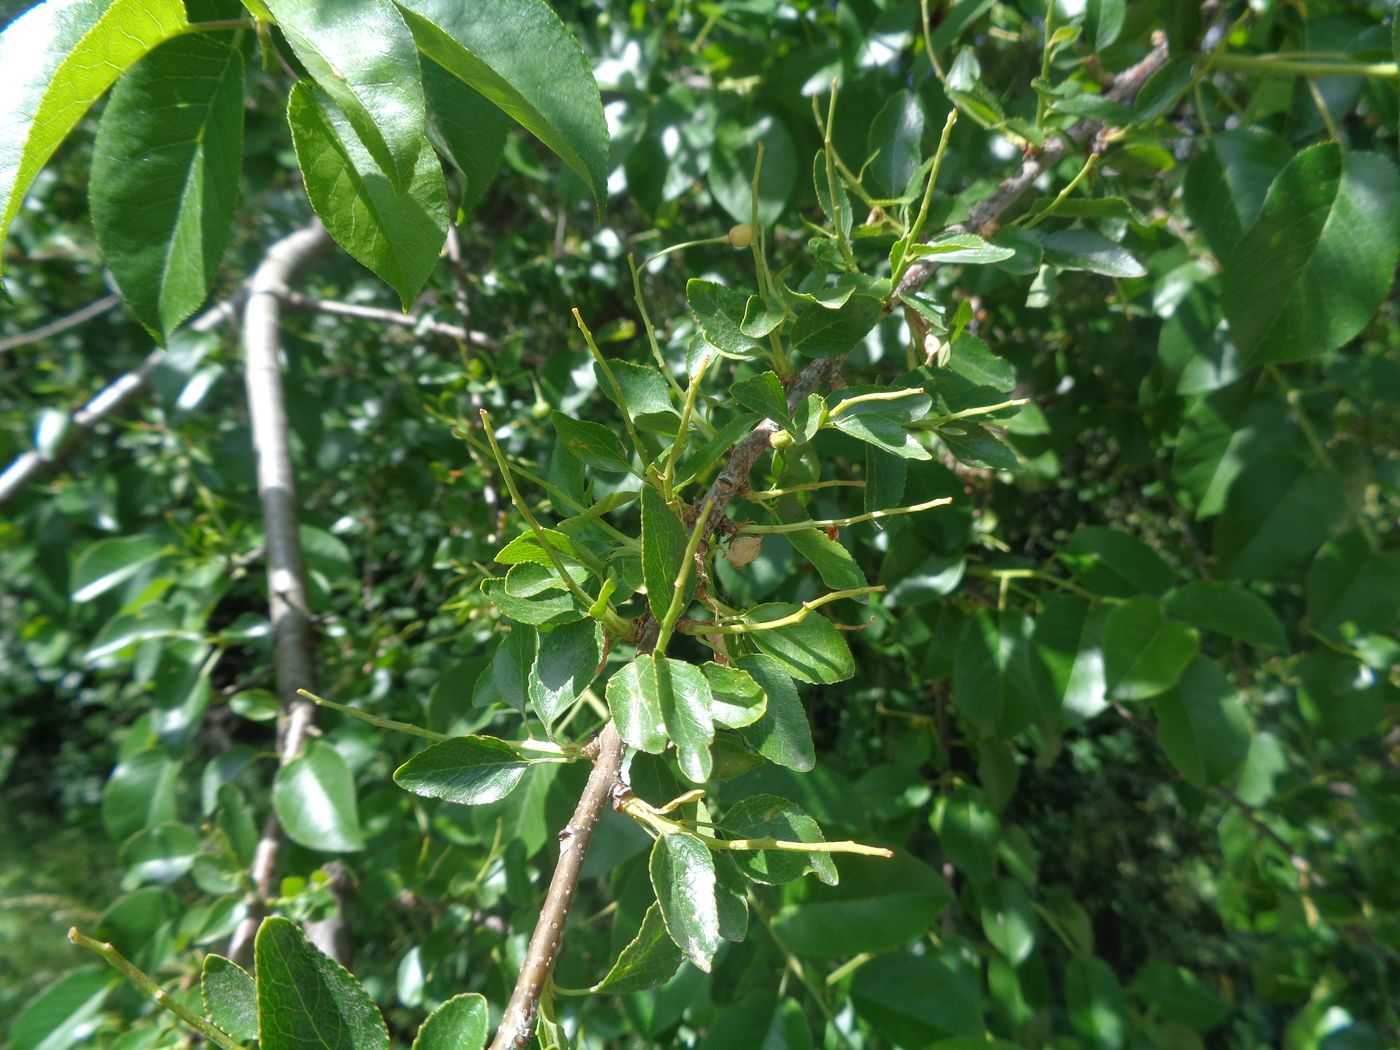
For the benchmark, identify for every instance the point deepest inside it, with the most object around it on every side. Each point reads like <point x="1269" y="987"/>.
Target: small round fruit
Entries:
<point x="741" y="236"/>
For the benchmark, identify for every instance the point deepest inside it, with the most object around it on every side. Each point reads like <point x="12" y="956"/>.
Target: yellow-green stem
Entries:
<point x="839" y="523"/>
<point x="677" y="603"/>
<point x="790" y="620"/>
<point x="602" y="363"/>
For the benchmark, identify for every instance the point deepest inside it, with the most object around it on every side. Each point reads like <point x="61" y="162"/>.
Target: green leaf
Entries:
<point x="164" y="180"/>
<point x="140" y="793"/>
<point x="1114" y="563"/>
<point x="684" y="697"/>
<point x="832" y="561"/>
<point x="230" y="997"/>
<point x="360" y="53"/>
<point x="966" y="248"/>
<point x="1095" y="1002"/>
<point x="977" y="446"/>
<point x="64" y="1014"/>
<point x="683" y="876"/>
<point x="1103" y="21"/>
<point x="664" y="541"/>
<point x="1227" y="609"/>
<point x="519" y="55"/>
<point x="645" y="394"/>
<point x="532" y="594"/>
<point x="842" y="219"/>
<point x="968" y="833"/>
<point x="1144" y="652"/>
<point x="819" y="332"/>
<point x="760" y="319"/>
<point x="466" y="128"/>
<point x="306" y="999"/>
<point x="635" y="703"/>
<point x="1080" y="249"/>
<point x="1176" y="992"/>
<point x="731" y="168"/>
<point x="720" y="313"/>
<point x="783" y="735"/>
<point x="469" y="770"/>
<point x="996" y="683"/>
<point x="314" y="798"/>
<point x="1320" y="258"/>
<point x="592" y="443"/>
<point x="768" y="816"/>
<point x="649" y="959"/>
<point x="879" y="904"/>
<point x="1227" y="181"/>
<point x="56" y="60"/>
<point x="158" y="854"/>
<point x="1008" y="918"/>
<point x="895" y="141"/>
<point x="527" y="548"/>
<point x="461" y="1023"/>
<point x="763" y="394"/>
<point x="1351" y="587"/>
<point x="932" y="1000"/>
<point x="511" y="666"/>
<point x="974" y="361"/>
<point x="882" y="424"/>
<point x="1277" y="516"/>
<point x="567" y="662"/>
<point x="811" y="650"/>
<point x="1202" y="725"/>
<point x="737" y="700"/>
<point x="396" y="234"/>
<point x="110" y="563"/>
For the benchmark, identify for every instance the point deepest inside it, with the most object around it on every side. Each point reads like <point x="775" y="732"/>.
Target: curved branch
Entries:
<point x="293" y="638"/>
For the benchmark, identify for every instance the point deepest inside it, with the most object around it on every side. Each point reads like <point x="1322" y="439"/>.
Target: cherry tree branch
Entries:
<point x="293" y="636"/>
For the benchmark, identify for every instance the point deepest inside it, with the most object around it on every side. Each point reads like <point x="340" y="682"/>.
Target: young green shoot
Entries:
<point x="840" y="523"/>
<point x="602" y="363"/>
<point x="790" y="620"/>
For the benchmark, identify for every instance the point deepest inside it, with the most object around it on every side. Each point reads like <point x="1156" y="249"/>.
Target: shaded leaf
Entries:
<point x="811" y="650"/>
<point x="314" y="798"/>
<point x="649" y="959"/>
<point x="230" y="997"/>
<point x="783" y="735"/>
<point x="1144" y="652"/>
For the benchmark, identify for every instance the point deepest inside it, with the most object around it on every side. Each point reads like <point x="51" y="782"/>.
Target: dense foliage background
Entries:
<point x="1125" y="710"/>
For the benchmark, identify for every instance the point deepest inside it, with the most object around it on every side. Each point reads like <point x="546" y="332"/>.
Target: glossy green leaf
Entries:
<point x="966" y="248"/>
<point x="731" y="169"/>
<point x="645" y="394"/>
<point x="1080" y="249"/>
<point x="683" y="876"/>
<point x="360" y="53"/>
<point x="164" y="181"/>
<point x="879" y="904"/>
<point x="461" y="1023"/>
<point x="1144" y="652"/>
<point x="832" y="561"/>
<point x="684" y="697"/>
<point x="533" y="595"/>
<point x="110" y="563"/>
<point x="737" y="700"/>
<point x="819" y="332"/>
<point x="396" y="234"/>
<point x="768" y="816"/>
<point x="518" y="54"/>
<point x="64" y="1014"/>
<point x="56" y="60"/>
<point x="764" y="394"/>
<point x="230" y="997"/>
<point x="140" y="793"/>
<point x="1351" y="587"/>
<point x="783" y="735"/>
<point x="647" y="960"/>
<point x="882" y="424"/>
<point x="635" y="703"/>
<point x="895" y="142"/>
<point x="1115" y="563"/>
<point x="592" y="443"/>
<point x="469" y="770"/>
<point x="720" y="314"/>
<point x="1202" y="725"/>
<point x="1227" y="181"/>
<point x="761" y="318"/>
<point x="996" y="682"/>
<point x="1320" y="258"/>
<point x="134" y="921"/>
<point x="968" y="833"/>
<point x="466" y="128"/>
<point x="567" y="662"/>
<point x="314" y="798"/>
<point x="811" y="650"/>
<point x="664" y="541"/>
<point x="306" y="999"/>
<point x="1227" y="609"/>
<point x="511" y="666"/>
<point x="1095" y="1003"/>
<point x="160" y="854"/>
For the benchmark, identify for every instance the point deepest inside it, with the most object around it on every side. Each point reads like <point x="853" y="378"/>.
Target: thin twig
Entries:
<point x="297" y="301"/>
<point x="77" y="317"/>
